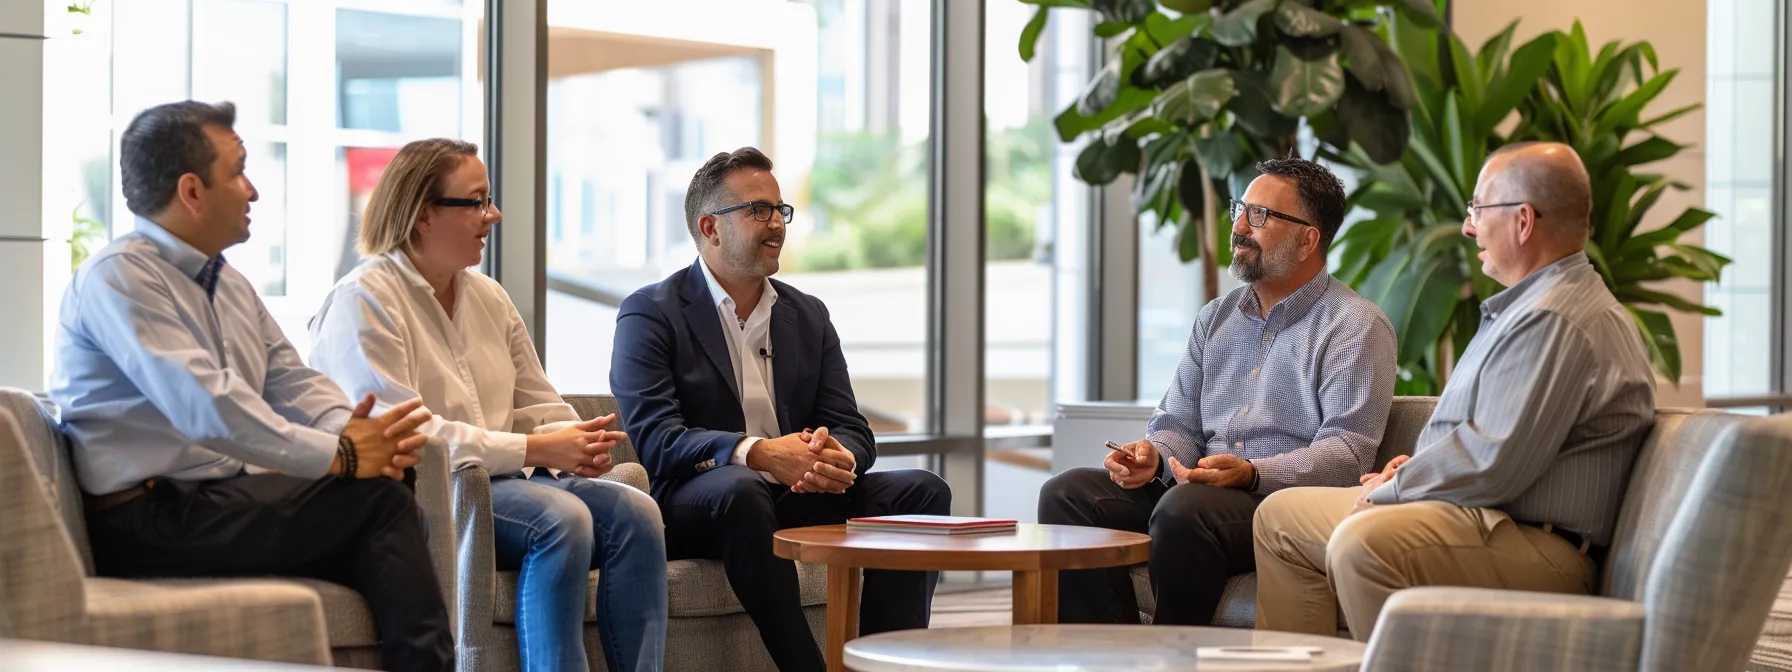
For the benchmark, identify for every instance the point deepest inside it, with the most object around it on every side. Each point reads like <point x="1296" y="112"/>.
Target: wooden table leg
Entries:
<point x="1035" y="597"/>
<point x="843" y="613"/>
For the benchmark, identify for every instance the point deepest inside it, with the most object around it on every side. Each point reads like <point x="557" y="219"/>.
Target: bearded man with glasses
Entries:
<point x="735" y="390"/>
<point x="1286" y="382"/>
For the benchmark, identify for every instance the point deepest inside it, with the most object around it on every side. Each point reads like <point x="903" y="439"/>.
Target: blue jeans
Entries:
<point x="555" y="530"/>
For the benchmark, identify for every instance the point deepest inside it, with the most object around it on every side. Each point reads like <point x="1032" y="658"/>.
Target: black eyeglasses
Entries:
<point x="484" y="203"/>
<point x="761" y="210"/>
<point x="1257" y="215"/>
<point x="1474" y="211"/>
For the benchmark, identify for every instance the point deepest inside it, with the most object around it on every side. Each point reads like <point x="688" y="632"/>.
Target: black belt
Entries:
<point x="1578" y="541"/>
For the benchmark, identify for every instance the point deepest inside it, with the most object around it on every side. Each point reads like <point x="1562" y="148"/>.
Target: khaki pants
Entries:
<point x="1315" y="561"/>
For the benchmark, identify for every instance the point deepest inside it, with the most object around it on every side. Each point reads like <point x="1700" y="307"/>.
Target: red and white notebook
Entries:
<point x="932" y="524"/>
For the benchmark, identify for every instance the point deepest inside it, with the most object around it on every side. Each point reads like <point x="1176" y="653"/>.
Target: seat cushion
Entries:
<point x="1774" y="649"/>
<point x="272" y="620"/>
<point x="1238" y="605"/>
<point x="346" y="617"/>
<point x="698" y="588"/>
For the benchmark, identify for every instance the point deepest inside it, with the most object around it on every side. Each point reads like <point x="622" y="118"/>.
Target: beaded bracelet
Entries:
<point x="345" y="451"/>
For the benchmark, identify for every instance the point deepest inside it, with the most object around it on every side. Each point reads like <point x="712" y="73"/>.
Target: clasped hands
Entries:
<point x="1374" y="479"/>
<point x="807" y="461"/>
<point x="1138" y="465"/>
<point x="386" y="445"/>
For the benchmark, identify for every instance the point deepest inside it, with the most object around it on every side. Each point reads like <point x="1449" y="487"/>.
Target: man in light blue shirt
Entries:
<point x="205" y="445"/>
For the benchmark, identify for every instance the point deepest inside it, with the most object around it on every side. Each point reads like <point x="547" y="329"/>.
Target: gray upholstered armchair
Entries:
<point x="1703" y="543"/>
<point x="48" y="592"/>
<point x="707" y="629"/>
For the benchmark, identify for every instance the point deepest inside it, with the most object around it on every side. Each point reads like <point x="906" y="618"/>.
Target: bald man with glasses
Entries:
<point x="1286" y="382"/>
<point x="1518" y="475"/>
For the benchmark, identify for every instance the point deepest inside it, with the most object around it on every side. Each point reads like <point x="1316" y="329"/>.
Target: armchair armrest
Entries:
<point x="1485" y="629"/>
<point x="476" y="559"/>
<point x="629" y="473"/>
<point x="433" y="497"/>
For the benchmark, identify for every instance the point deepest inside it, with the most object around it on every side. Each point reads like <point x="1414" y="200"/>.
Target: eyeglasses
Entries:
<point x="1257" y="216"/>
<point x="484" y="203"/>
<point x="1474" y="211"/>
<point x="761" y="210"/>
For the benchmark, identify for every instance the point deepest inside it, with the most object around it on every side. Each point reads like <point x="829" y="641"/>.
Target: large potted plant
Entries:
<point x="1197" y="91"/>
<point x="1411" y="258"/>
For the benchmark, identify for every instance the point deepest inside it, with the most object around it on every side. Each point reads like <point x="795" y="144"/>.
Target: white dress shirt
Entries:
<point x="156" y="378"/>
<point x="750" y="350"/>
<point x="381" y="331"/>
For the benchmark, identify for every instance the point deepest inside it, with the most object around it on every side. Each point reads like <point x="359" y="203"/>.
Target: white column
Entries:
<point x="956" y="240"/>
<point x="516" y="114"/>
<point x="32" y="270"/>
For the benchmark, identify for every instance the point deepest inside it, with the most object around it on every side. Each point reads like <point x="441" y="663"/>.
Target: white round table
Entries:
<point x="1063" y="648"/>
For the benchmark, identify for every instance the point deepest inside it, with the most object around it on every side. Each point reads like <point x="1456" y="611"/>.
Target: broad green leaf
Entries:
<point x="1101" y="162"/>
<point x="1154" y="187"/>
<point x="1082" y="4"/>
<point x="1420" y="11"/>
<point x="1181" y="59"/>
<point x="1627" y="112"/>
<point x="1373" y="123"/>
<point x="1417" y="47"/>
<point x="1492" y="57"/>
<point x="1617" y="207"/>
<point x="1220" y="154"/>
<point x="1648" y="296"/>
<point x="1299" y="87"/>
<point x="1453" y="133"/>
<point x="1108" y="29"/>
<point x="1164" y="30"/>
<point x="1386" y="275"/>
<point x="1640" y="208"/>
<point x="1222" y="227"/>
<point x="1361" y="57"/>
<point x="1238" y="27"/>
<point x="1298" y="20"/>
<point x="1435" y="291"/>
<point x="1657" y="332"/>
<point x="1676" y="114"/>
<point x="1187" y="6"/>
<point x="1440" y="174"/>
<point x="1241" y="179"/>
<point x="1123" y="11"/>
<point x="1190" y="190"/>
<point x="1654" y="149"/>
<point x="1362" y="245"/>
<point x="1101" y="91"/>
<point x="1385" y="199"/>
<point x="1706" y="260"/>
<point x="1029" y="35"/>
<point x="1468" y="82"/>
<point x="1691" y="219"/>
<point x="1528" y="66"/>
<point x="1255" y="111"/>
<point x="1196" y="99"/>
<point x="1072" y="123"/>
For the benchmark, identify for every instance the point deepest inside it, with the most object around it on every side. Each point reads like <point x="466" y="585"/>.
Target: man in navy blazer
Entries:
<point x="736" y="393"/>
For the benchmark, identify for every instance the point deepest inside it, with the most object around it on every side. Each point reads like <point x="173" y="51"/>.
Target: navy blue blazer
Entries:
<point x="674" y="380"/>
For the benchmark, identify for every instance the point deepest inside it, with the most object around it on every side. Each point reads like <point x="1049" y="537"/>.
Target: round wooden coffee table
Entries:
<point x="1066" y="648"/>
<point x="1034" y="553"/>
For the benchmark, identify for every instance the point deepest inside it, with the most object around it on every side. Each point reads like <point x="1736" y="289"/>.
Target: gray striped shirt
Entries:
<point x="1545" y="412"/>
<point x="1303" y="394"/>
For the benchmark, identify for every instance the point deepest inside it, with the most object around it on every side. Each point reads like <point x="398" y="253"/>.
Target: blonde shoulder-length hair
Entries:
<point x="411" y="181"/>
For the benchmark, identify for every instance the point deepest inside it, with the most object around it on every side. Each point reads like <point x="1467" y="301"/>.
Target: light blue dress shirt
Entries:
<point x="156" y="379"/>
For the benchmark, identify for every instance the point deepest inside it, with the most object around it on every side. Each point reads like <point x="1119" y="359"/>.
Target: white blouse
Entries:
<point x="382" y="332"/>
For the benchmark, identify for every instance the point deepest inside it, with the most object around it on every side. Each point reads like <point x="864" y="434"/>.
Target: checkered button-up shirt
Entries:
<point x="1303" y="394"/>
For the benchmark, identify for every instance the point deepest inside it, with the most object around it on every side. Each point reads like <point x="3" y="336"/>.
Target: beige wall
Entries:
<point x="1676" y="28"/>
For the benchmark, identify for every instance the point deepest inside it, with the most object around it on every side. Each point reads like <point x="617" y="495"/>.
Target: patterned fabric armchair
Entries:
<point x="707" y="629"/>
<point x="1703" y="543"/>
<point x="48" y="592"/>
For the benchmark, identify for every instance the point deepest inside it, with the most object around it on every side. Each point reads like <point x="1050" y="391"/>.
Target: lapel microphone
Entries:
<point x="767" y="353"/>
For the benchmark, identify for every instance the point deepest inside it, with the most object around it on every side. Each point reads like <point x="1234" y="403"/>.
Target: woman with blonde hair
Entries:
<point x="413" y="321"/>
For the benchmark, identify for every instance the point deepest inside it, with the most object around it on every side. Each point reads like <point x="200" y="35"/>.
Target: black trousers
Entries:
<point x="365" y="534"/>
<point x="730" y="513"/>
<point x="1200" y="536"/>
